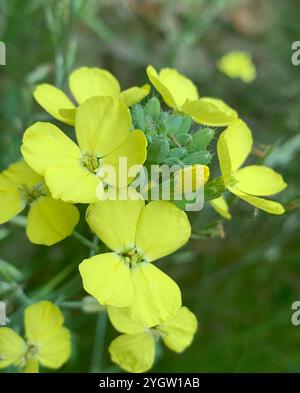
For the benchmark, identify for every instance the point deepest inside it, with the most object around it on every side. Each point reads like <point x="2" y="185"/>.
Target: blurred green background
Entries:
<point x="242" y="276"/>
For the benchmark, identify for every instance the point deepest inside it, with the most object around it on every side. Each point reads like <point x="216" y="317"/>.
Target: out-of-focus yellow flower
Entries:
<point x="251" y="182"/>
<point x="134" y="350"/>
<point x="138" y="235"/>
<point x="181" y="94"/>
<point x="238" y="64"/>
<point x="49" y="220"/>
<point x="73" y="172"/>
<point x="85" y="83"/>
<point x="47" y="341"/>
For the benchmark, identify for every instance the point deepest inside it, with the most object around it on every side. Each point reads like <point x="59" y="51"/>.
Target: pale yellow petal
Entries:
<point x="57" y="350"/>
<point x="31" y="366"/>
<point x="162" y="229"/>
<point x="55" y="102"/>
<point x="50" y="221"/>
<point x="220" y="205"/>
<point x="134" y="353"/>
<point x="101" y="125"/>
<point x="120" y="319"/>
<point x="156" y="296"/>
<point x="87" y="82"/>
<point x="108" y="279"/>
<point x="12" y="347"/>
<point x="161" y="88"/>
<point x="178" y="332"/>
<point x="134" y="94"/>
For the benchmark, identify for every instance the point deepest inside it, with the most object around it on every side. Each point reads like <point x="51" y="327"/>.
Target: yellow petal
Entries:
<point x="107" y="278"/>
<point x="115" y="221"/>
<point x="134" y="94"/>
<point x="220" y="205"/>
<point x="178" y="332"/>
<point x="73" y="184"/>
<point x="12" y="347"/>
<point x="50" y="221"/>
<point x="174" y="87"/>
<point x="156" y="296"/>
<point x="122" y="322"/>
<point x="238" y="64"/>
<point x="55" y="102"/>
<point x="45" y="145"/>
<point x="133" y="153"/>
<point x="42" y="321"/>
<point x="89" y="82"/>
<point x="162" y="229"/>
<point x="57" y="350"/>
<point x="102" y="124"/>
<point x="259" y="180"/>
<point x="31" y="366"/>
<point x="12" y="200"/>
<point x="234" y="146"/>
<point x="266" y="205"/>
<point x="210" y="112"/>
<point x="133" y="352"/>
<point x="160" y="87"/>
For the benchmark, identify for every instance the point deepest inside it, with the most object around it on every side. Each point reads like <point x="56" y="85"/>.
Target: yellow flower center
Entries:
<point x="32" y="351"/>
<point x="91" y="162"/>
<point x="132" y="257"/>
<point x="32" y="193"/>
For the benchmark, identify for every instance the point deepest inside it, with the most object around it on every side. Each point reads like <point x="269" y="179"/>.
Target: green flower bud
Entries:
<point x="158" y="151"/>
<point x="152" y="108"/>
<point x="181" y="139"/>
<point x="138" y="118"/>
<point x="202" y="138"/>
<point x="214" y="188"/>
<point x="174" y="124"/>
<point x="178" y="152"/>
<point x="186" y="123"/>
<point x="163" y="123"/>
<point x="199" y="157"/>
<point x="173" y="161"/>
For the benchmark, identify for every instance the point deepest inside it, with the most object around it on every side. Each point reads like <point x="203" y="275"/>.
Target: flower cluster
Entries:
<point x="59" y="171"/>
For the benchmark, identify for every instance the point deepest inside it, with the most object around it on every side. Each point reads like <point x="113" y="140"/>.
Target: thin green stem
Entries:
<point x="98" y="349"/>
<point x="83" y="240"/>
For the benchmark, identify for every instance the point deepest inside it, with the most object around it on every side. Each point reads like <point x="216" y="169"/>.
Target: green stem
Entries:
<point x="98" y="349"/>
<point x="19" y="221"/>
<point x="83" y="240"/>
<point x="71" y="305"/>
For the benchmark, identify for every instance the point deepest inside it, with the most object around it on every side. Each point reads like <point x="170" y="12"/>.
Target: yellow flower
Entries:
<point x="134" y="350"/>
<point x="138" y="235"/>
<point x="49" y="220"/>
<point x="47" y="341"/>
<point x="251" y="182"/>
<point x="85" y="83"/>
<point x="238" y="64"/>
<point x="181" y="94"/>
<point x="73" y="172"/>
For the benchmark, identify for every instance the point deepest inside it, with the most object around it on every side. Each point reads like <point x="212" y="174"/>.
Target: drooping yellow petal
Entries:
<point x="234" y="146"/>
<point x="178" y="332"/>
<point x="266" y="205"/>
<point x="45" y="145"/>
<point x="134" y="94"/>
<point x="87" y="82"/>
<point x="31" y="366"/>
<point x="55" y="102"/>
<point x="115" y="221"/>
<point x="220" y="205"/>
<point x="210" y="111"/>
<point x="259" y="180"/>
<point x="42" y="321"/>
<point x="133" y="352"/>
<point x="174" y="87"/>
<point x="122" y="322"/>
<point x="101" y="125"/>
<point x="57" y="350"/>
<point x="133" y="153"/>
<point x="162" y="229"/>
<point x="107" y="278"/>
<point x="73" y="184"/>
<point x="12" y="347"/>
<point x="156" y="296"/>
<point x="238" y="64"/>
<point x="50" y="221"/>
<point x="12" y="180"/>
